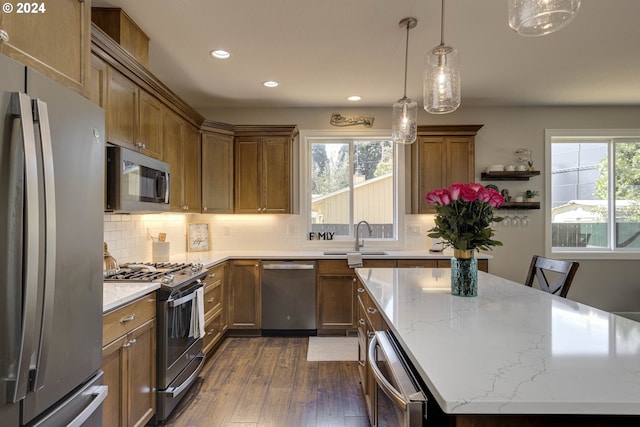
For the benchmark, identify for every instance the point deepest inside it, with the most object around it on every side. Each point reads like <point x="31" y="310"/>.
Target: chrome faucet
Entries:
<point x="358" y="244"/>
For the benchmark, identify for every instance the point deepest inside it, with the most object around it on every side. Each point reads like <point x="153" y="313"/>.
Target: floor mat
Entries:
<point x="332" y="349"/>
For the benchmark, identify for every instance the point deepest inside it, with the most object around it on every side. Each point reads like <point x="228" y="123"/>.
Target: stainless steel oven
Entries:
<point x="398" y="398"/>
<point x="180" y="356"/>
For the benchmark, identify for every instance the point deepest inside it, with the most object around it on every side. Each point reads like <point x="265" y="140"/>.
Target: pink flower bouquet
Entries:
<point x="464" y="214"/>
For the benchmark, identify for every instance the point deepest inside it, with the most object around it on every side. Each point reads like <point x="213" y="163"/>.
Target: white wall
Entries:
<point x="610" y="285"/>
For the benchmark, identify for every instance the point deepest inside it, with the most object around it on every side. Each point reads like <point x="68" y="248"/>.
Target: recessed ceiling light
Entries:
<point x="354" y="98"/>
<point x="220" y="54"/>
<point x="270" y="83"/>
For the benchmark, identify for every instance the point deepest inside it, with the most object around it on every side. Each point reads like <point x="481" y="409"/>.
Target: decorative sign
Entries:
<point x="340" y="120"/>
<point x="198" y="237"/>
<point x="328" y="235"/>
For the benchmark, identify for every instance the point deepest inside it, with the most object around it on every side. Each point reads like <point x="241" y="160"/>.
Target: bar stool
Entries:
<point x="560" y="270"/>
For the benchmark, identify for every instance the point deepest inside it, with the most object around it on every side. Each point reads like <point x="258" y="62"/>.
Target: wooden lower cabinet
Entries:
<point x="245" y="296"/>
<point x="129" y="364"/>
<point x="215" y="306"/>
<point x="336" y="294"/>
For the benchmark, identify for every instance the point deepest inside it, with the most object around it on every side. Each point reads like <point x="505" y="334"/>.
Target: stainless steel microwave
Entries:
<point x="135" y="182"/>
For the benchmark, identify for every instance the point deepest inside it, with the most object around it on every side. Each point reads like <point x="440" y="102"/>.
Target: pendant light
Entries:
<point x="404" y="127"/>
<point x="532" y="18"/>
<point x="441" y="88"/>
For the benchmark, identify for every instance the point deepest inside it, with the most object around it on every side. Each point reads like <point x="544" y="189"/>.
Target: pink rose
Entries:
<point x="468" y="193"/>
<point x="454" y="191"/>
<point x="440" y="197"/>
<point x="484" y="195"/>
<point x="496" y="199"/>
<point x="475" y="186"/>
<point x="432" y="197"/>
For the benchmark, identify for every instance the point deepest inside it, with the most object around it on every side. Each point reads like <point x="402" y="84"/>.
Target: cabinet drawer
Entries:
<point x="215" y="277"/>
<point x="369" y="309"/>
<point x="212" y="301"/>
<point x="123" y="320"/>
<point x="212" y="332"/>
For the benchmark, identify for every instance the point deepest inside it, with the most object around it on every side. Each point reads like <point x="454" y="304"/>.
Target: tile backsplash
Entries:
<point x="130" y="236"/>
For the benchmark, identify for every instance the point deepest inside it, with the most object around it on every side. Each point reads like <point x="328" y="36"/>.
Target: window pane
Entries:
<point x="330" y="192"/>
<point x="373" y="186"/>
<point x="352" y="181"/>
<point x="579" y="194"/>
<point x="627" y="185"/>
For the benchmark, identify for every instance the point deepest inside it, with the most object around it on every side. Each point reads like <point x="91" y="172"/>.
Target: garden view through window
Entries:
<point x="595" y="194"/>
<point x="352" y="180"/>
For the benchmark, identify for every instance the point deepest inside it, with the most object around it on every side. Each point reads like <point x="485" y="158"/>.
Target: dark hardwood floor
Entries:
<point x="267" y="381"/>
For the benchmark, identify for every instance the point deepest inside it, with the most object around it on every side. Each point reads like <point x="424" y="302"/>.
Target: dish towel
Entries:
<point x="354" y="259"/>
<point x="196" y="329"/>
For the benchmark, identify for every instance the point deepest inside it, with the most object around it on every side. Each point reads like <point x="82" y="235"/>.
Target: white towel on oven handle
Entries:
<point x="196" y="329"/>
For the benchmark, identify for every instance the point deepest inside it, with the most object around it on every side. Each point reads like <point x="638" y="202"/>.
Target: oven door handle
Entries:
<point x="172" y="392"/>
<point x="383" y="383"/>
<point x="179" y="301"/>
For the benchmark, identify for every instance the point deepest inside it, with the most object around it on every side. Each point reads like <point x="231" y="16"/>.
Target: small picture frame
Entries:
<point x="198" y="237"/>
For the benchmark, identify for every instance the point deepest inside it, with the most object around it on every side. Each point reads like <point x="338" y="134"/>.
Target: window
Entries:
<point x="351" y="178"/>
<point x="594" y="192"/>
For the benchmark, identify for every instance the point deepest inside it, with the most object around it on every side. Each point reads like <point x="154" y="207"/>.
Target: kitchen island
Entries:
<point x="513" y="355"/>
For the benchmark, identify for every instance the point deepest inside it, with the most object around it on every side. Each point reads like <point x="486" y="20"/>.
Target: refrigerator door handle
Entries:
<point x="99" y="393"/>
<point x="21" y="112"/>
<point x="41" y="117"/>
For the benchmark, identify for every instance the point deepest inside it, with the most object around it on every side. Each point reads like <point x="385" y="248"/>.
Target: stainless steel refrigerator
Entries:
<point x="51" y="233"/>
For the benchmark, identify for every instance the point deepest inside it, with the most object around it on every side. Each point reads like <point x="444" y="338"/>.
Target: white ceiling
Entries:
<point x="322" y="51"/>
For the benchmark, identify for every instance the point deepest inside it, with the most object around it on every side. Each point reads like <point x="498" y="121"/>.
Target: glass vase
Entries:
<point x="464" y="274"/>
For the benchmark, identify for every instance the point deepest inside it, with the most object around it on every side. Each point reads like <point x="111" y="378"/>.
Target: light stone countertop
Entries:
<point x="512" y="349"/>
<point x="116" y="294"/>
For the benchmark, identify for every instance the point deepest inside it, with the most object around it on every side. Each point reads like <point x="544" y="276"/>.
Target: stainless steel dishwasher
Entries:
<point x="289" y="298"/>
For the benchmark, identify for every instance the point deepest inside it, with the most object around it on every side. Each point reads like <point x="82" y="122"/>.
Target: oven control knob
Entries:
<point x="167" y="279"/>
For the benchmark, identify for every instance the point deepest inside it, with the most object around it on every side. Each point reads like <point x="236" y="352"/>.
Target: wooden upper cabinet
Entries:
<point x="121" y="109"/>
<point x="149" y="139"/>
<point x="134" y="117"/>
<point x="441" y="156"/>
<point x="55" y="42"/>
<point x="191" y="168"/>
<point x="217" y="173"/>
<point x="97" y="82"/>
<point x="265" y="169"/>
<point x="121" y="28"/>
<point x="173" y="145"/>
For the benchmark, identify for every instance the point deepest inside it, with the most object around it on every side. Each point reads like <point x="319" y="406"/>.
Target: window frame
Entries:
<point x="308" y="137"/>
<point x="580" y="135"/>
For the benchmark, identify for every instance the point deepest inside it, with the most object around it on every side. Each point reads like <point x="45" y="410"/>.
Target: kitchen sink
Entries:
<point x="355" y="252"/>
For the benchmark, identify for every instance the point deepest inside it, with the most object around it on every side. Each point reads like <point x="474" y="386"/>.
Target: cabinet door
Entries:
<point x="276" y="191"/>
<point x="248" y="175"/>
<point x="56" y="42"/>
<point x="122" y="109"/>
<point x="336" y="304"/>
<point x="245" y="311"/>
<point x="217" y="173"/>
<point x="460" y="159"/>
<point x="141" y="401"/>
<point x="97" y="83"/>
<point x="191" y="169"/>
<point x="172" y="136"/>
<point x="149" y="139"/>
<point x="114" y="366"/>
<point x="431" y="174"/>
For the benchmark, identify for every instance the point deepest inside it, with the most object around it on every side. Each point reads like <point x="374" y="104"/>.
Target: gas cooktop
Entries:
<point x="166" y="273"/>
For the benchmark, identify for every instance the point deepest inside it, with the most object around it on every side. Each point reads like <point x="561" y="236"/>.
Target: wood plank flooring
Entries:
<point x="268" y="382"/>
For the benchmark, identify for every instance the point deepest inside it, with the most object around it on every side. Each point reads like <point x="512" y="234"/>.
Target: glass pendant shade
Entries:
<point x="442" y="80"/>
<point x="404" y="127"/>
<point x="532" y="18"/>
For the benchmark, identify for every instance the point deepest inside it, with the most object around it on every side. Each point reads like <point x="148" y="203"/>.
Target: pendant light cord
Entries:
<point x="442" y="25"/>
<point x="406" y="60"/>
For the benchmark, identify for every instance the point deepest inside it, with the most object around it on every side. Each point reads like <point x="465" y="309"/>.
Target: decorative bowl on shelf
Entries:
<point x="495" y="168"/>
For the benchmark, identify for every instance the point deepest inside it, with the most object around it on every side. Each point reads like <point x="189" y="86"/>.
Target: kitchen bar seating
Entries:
<point x="563" y="271"/>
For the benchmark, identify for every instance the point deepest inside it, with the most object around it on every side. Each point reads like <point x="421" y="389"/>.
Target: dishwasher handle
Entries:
<point x="288" y="266"/>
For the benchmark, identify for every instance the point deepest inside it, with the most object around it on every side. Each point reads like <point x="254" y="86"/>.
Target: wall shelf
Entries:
<point x="508" y="175"/>
<point x="520" y="205"/>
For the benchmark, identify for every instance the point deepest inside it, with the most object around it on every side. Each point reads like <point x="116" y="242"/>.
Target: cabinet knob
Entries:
<point x="210" y="332"/>
<point x="185" y="207"/>
<point x="360" y="290"/>
<point x="4" y="36"/>
<point x="212" y="275"/>
<point x="354" y="280"/>
<point x="371" y="334"/>
<point x="361" y="321"/>
<point x="126" y="345"/>
<point x="371" y="310"/>
<point x="204" y="208"/>
<point x="210" y="300"/>
<point x="133" y="342"/>
<point x="259" y="210"/>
